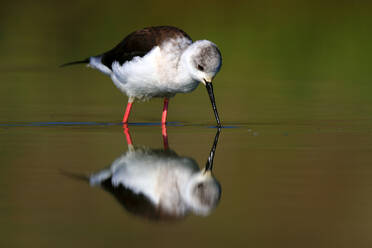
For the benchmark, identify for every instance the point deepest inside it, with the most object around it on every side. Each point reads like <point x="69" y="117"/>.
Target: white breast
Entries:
<point x="140" y="77"/>
<point x="159" y="73"/>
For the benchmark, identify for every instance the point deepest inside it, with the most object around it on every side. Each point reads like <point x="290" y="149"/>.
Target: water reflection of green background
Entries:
<point x="297" y="73"/>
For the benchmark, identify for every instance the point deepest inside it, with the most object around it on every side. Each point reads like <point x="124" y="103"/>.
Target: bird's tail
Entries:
<point x="84" y="61"/>
<point x="76" y="176"/>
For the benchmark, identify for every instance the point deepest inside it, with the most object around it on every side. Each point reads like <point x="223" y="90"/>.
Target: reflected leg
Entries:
<point x="165" y="111"/>
<point x="165" y="136"/>
<point x="127" y="135"/>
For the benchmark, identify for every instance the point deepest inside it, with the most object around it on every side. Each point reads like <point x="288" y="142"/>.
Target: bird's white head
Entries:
<point x="204" y="60"/>
<point x="203" y="192"/>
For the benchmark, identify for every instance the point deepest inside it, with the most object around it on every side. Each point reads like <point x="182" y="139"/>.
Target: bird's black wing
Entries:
<point x="136" y="203"/>
<point x="139" y="43"/>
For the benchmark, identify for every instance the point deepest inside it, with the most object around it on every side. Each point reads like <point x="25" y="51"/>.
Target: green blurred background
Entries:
<point x="295" y="81"/>
<point x="311" y="58"/>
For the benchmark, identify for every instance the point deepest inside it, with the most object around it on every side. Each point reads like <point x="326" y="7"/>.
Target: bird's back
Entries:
<point x="140" y="42"/>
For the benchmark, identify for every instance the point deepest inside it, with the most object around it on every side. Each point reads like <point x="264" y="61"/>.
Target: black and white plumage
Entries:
<point x="159" y="184"/>
<point x="159" y="62"/>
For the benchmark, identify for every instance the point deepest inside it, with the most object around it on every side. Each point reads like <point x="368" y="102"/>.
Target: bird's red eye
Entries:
<point x="201" y="68"/>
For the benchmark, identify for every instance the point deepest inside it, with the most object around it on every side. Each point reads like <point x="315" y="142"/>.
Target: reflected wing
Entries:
<point x="137" y="204"/>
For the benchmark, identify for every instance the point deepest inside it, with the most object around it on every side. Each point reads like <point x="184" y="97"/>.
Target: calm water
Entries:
<point x="294" y="164"/>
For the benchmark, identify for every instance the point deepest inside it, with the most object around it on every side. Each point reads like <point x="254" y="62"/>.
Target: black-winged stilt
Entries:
<point x="158" y="183"/>
<point x="159" y="62"/>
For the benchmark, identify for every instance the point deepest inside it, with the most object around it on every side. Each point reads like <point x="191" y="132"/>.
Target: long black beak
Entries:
<point x="209" y="87"/>
<point x="209" y="164"/>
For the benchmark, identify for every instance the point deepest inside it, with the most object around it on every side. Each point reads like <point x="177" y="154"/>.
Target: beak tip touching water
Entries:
<point x="209" y="87"/>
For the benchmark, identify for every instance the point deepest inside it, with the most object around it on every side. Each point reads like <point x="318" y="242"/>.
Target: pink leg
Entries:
<point x="127" y="134"/>
<point x="165" y="136"/>
<point x="127" y="111"/>
<point x="165" y="111"/>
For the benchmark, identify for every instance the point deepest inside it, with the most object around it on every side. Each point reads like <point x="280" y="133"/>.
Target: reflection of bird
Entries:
<point x="159" y="184"/>
<point x="159" y="62"/>
<point x="171" y="184"/>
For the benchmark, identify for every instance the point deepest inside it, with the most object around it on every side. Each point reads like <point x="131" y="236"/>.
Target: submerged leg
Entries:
<point x="127" y="110"/>
<point x="165" y="111"/>
<point x="165" y="136"/>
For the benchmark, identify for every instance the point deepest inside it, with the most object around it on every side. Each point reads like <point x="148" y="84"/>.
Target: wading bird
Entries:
<point x="159" y="62"/>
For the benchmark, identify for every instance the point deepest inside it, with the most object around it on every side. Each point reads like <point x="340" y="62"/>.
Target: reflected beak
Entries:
<point x="209" y="87"/>
<point x="209" y="165"/>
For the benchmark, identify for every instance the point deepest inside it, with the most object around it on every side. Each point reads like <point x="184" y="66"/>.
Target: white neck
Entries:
<point x="184" y="76"/>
